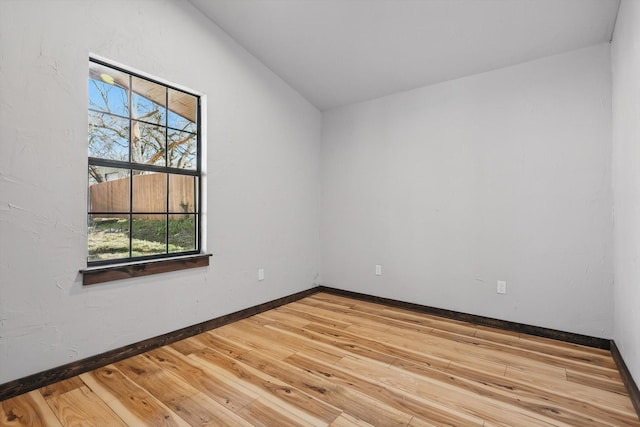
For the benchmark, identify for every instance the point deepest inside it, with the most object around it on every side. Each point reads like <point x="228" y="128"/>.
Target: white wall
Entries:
<point x="263" y="174"/>
<point x="625" y="61"/>
<point x="499" y="176"/>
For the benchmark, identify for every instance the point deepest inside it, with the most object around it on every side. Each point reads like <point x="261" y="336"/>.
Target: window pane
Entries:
<point x="108" y="189"/>
<point x="108" y="90"/>
<point x="149" y="235"/>
<point x="149" y="101"/>
<point x="182" y="149"/>
<point x="182" y="111"/>
<point x="182" y="233"/>
<point x="149" y="192"/>
<point x="108" y="237"/>
<point x="182" y="193"/>
<point x="108" y="136"/>
<point x="180" y="123"/>
<point x="148" y="143"/>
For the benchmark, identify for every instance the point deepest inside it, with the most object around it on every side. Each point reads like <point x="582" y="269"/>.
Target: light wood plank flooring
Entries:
<point x="330" y="360"/>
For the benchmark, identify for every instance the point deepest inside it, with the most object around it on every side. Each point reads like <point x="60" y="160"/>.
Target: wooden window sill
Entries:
<point x="93" y="275"/>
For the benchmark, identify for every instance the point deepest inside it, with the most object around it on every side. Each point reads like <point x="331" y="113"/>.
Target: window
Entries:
<point x="144" y="168"/>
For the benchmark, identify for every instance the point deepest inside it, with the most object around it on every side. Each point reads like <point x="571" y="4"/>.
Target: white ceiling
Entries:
<point x="337" y="52"/>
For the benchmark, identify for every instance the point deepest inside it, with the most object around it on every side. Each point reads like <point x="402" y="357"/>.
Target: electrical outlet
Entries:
<point x="502" y="287"/>
<point x="261" y="274"/>
<point x="378" y="270"/>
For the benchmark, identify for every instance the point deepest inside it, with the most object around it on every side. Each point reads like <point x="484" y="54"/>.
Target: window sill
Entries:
<point x="93" y="275"/>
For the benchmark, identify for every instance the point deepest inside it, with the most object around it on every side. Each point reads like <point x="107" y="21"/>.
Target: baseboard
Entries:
<point x="50" y="376"/>
<point x="627" y="379"/>
<point x="479" y="320"/>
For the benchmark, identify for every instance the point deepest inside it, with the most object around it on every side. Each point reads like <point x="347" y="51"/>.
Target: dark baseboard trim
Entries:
<point x="627" y="379"/>
<point x="50" y="376"/>
<point x="478" y="320"/>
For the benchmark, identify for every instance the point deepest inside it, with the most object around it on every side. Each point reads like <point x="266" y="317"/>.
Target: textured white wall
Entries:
<point x="499" y="176"/>
<point x="625" y="61"/>
<point x="263" y="166"/>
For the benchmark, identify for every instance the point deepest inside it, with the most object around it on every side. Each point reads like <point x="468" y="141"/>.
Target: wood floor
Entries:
<point x="330" y="360"/>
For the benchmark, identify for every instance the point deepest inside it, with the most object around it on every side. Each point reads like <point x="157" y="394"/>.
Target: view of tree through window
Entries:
<point x="144" y="167"/>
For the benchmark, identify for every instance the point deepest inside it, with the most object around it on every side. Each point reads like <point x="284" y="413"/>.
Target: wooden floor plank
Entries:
<point x="29" y="410"/>
<point x="278" y="316"/>
<point x="597" y="365"/>
<point x="352" y="401"/>
<point x="424" y="348"/>
<point x="210" y="382"/>
<point x="346" y="420"/>
<point x="300" y="344"/>
<point x="445" y="390"/>
<point x="312" y="314"/>
<point x="239" y="333"/>
<point x="361" y="310"/>
<point x="201" y="410"/>
<point x="329" y="360"/>
<point x="596" y="357"/>
<point x="161" y="384"/>
<point x="611" y="383"/>
<point x="580" y="393"/>
<point x="188" y="346"/>
<point x="133" y="404"/>
<point x="259" y="413"/>
<point x="372" y="383"/>
<point x="82" y="407"/>
<point x="271" y="389"/>
<point x="61" y="387"/>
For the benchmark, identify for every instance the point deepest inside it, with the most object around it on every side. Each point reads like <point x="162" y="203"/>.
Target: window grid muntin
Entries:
<point x="141" y="121"/>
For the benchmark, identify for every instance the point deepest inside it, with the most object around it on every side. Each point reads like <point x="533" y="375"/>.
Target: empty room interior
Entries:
<point x="320" y="212"/>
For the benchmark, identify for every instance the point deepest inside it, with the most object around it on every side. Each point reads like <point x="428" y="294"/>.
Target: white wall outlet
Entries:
<point x="502" y="287"/>
<point x="261" y="274"/>
<point x="378" y="270"/>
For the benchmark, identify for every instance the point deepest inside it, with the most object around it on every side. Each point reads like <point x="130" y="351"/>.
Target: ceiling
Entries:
<point x="337" y="52"/>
